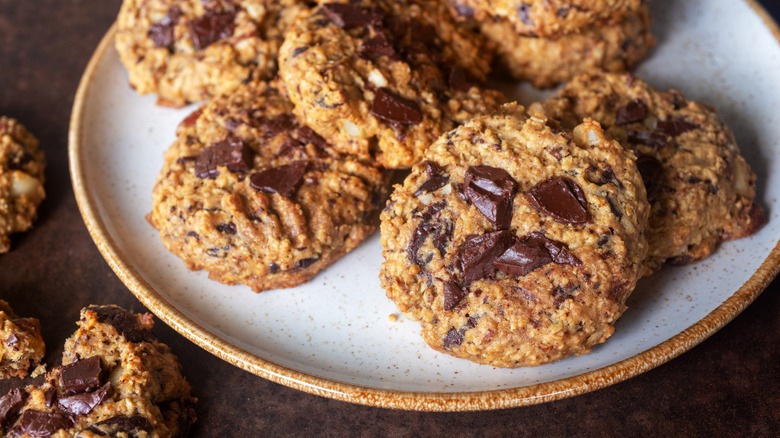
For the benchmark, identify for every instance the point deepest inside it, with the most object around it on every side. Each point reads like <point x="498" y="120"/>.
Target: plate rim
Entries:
<point x="381" y="397"/>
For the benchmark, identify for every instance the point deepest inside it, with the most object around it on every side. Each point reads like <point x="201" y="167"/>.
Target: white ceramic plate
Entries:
<point x="334" y="337"/>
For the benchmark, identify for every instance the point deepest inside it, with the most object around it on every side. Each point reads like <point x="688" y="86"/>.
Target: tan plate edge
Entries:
<point x="421" y="401"/>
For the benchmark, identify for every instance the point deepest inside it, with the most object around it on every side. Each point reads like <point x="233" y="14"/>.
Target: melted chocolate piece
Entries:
<point x="123" y="322"/>
<point x="305" y="263"/>
<point x="478" y="253"/>
<point x="11" y="339"/>
<point x="347" y="16"/>
<point x="454" y="336"/>
<point x="82" y="404"/>
<point x="48" y="397"/>
<point x="534" y="251"/>
<point x="298" y="50"/>
<point x="161" y="33"/>
<point x="452" y="294"/>
<point x="425" y="229"/>
<point x="561" y="198"/>
<point x="650" y="169"/>
<point x="10" y="404"/>
<point x="433" y="184"/>
<point x="211" y="28"/>
<point x="464" y="11"/>
<point x="458" y="80"/>
<point x="81" y="376"/>
<point x="647" y="138"/>
<point x="395" y="109"/>
<point x="634" y="111"/>
<point x="229" y="228"/>
<point x="231" y="152"/>
<point x="673" y="128"/>
<point x="378" y="45"/>
<point x="40" y="424"/>
<point x="131" y="426"/>
<point x="491" y="190"/>
<point x="283" y="180"/>
<point x="522" y="11"/>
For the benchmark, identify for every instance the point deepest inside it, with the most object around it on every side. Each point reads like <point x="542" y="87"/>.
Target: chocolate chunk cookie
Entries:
<point x="700" y="188"/>
<point x="117" y="380"/>
<point x="192" y="50"/>
<point x="548" y="18"/>
<point x="383" y="79"/>
<point x="21" y="180"/>
<point x="616" y="45"/>
<point x="253" y="196"/>
<point x="21" y="344"/>
<point x="516" y="243"/>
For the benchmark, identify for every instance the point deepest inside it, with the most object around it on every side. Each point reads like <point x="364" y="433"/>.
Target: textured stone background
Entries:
<point x="727" y="386"/>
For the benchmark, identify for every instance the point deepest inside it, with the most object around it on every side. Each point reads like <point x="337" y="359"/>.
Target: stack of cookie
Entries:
<point x="549" y="42"/>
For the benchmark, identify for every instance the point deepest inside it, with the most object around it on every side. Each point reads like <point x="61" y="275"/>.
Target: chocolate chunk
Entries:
<point x="647" y="138"/>
<point x="522" y="258"/>
<point x="127" y="426"/>
<point x="673" y="128"/>
<point x="305" y="263"/>
<point x="82" y="404"/>
<point x="48" y="397"/>
<point x="453" y="339"/>
<point x="277" y="125"/>
<point x="228" y="228"/>
<point x="347" y="16"/>
<point x="614" y="208"/>
<point x="478" y="253"/>
<point x="211" y="28"/>
<point x="306" y="135"/>
<point x="464" y="11"/>
<point x="431" y="169"/>
<point x="81" y="376"/>
<point x="395" y="109"/>
<point x="40" y="424"/>
<point x="298" y="50"/>
<point x="11" y="340"/>
<point x="161" y="33"/>
<point x="433" y="184"/>
<point x="231" y="152"/>
<point x="423" y="230"/>
<point x="523" y="11"/>
<point x="123" y="322"/>
<point x="10" y="404"/>
<point x="491" y="190"/>
<point x="283" y="180"/>
<point x="562" y="12"/>
<point x="273" y="268"/>
<point x="560" y="198"/>
<point x="458" y="80"/>
<point x="378" y="45"/>
<point x="650" y="169"/>
<point x="452" y="294"/>
<point x="634" y="111"/>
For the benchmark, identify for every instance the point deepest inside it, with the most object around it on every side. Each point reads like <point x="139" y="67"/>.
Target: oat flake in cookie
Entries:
<point x="192" y="50"/>
<point x="21" y="344"/>
<point x="700" y="188"/>
<point x="383" y="79"/>
<point x="254" y="197"/>
<point x="514" y="243"/>
<point x="21" y="180"/>
<point x="116" y="380"/>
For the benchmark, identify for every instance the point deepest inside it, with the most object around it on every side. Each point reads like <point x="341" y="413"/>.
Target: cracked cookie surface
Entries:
<point x="383" y="79"/>
<point x="253" y="196"/>
<point x="700" y="188"/>
<point x="192" y="50"/>
<point x="21" y="180"/>
<point x="516" y="243"/>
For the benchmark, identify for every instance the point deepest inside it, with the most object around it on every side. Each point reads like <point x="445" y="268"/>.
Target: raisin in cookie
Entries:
<point x="21" y="180"/>
<point x="253" y="196"/>
<point x="21" y="344"/>
<point x="545" y="18"/>
<point x="700" y="188"/>
<point x="383" y="79"/>
<point x="615" y="45"/>
<point x="516" y="243"/>
<point x="192" y="50"/>
<point x="117" y="380"/>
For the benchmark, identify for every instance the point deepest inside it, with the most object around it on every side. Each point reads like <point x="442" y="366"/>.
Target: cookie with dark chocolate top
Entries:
<point x="21" y="344"/>
<point x="192" y="50"/>
<point x="382" y="79"/>
<point x="253" y="196"/>
<point x="21" y="180"/>
<point x="110" y="384"/>
<point x="518" y="255"/>
<point x="700" y="188"/>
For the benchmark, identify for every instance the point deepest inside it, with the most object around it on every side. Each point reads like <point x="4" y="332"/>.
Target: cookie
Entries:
<point x="545" y="18"/>
<point x="21" y="180"/>
<point x="192" y="50"/>
<point x="21" y="344"/>
<point x="254" y="197"/>
<point x="516" y="243"/>
<point x="613" y="46"/>
<point x="701" y="189"/>
<point x="117" y="380"/>
<point x="383" y="79"/>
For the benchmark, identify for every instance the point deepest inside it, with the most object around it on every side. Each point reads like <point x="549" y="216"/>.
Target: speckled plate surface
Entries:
<point x="334" y="336"/>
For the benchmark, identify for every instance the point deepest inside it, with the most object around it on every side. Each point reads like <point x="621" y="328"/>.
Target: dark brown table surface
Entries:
<point x="727" y="386"/>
